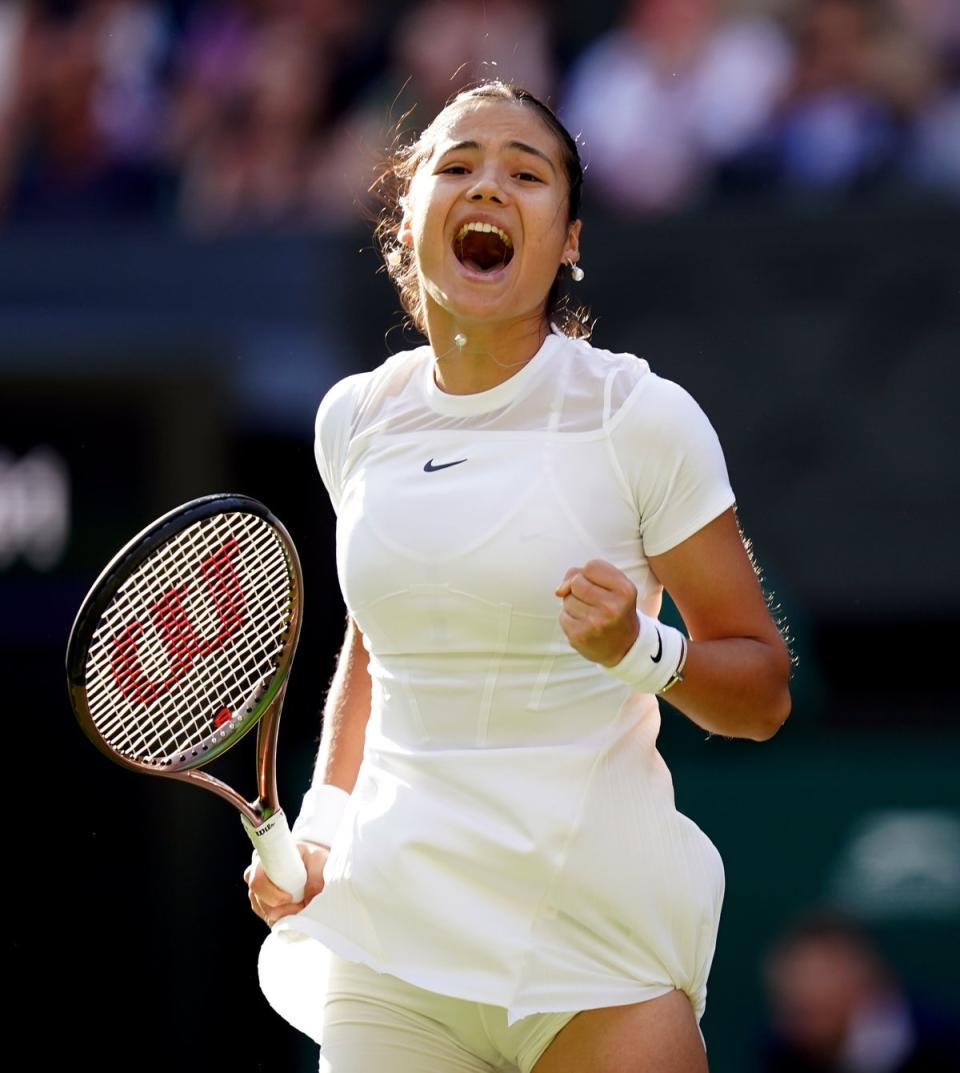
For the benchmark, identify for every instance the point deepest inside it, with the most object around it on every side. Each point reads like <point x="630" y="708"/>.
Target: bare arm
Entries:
<point x="345" y="715"/>
<point x="736" y="678"/>
<point x="737" y="670"/>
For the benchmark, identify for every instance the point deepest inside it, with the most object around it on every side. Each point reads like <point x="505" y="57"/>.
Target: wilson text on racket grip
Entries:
<point x="278" y="852"/>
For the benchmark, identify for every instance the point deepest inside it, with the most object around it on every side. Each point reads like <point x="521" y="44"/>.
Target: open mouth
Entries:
<point x="483" y="247"/>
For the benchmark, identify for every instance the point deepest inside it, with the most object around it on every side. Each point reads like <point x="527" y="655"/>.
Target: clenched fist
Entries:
<point x="599" y="614"/>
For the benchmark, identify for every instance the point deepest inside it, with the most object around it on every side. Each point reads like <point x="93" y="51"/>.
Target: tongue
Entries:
<point x="483" y="251"/>
<point x="478" y="267"/>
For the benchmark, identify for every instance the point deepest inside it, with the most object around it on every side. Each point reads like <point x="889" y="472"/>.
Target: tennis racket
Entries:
<point x="184" y="644"/>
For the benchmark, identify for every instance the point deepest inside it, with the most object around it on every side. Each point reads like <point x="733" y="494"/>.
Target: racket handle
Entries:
<point x="278" y="853"/>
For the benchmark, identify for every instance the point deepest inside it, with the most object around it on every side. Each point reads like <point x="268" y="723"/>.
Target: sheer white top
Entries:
<point x="512" y="837"/>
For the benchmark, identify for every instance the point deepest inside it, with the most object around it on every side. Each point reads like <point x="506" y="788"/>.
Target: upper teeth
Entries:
<point x="474" y="226"/>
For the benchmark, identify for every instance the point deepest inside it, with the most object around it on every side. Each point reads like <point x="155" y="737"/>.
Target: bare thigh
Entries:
<point x="657" y="1036"/>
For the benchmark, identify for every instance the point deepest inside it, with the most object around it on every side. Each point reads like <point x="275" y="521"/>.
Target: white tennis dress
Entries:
<point x="512" y="838"/>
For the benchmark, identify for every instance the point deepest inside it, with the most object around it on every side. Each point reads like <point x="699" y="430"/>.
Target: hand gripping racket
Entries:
<point x="184" y="644"/>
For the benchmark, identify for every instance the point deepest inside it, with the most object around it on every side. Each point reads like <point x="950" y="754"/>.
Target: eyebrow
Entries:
<point x="521" y="146"/>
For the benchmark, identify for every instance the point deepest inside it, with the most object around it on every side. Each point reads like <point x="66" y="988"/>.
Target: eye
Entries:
<point x="453" y="169"/>
<point x="529" y="177"/>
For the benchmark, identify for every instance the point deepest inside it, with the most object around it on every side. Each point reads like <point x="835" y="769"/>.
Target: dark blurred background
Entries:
<point x="772" y="218"/>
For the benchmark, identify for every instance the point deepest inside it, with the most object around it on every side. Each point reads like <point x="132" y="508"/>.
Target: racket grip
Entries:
<point x="278" y="853"/>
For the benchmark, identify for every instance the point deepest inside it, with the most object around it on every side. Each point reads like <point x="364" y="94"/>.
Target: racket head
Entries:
<point x="186" y="638"/>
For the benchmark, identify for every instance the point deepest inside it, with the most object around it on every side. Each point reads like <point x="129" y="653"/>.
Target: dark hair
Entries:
<point x="400" y="168"/>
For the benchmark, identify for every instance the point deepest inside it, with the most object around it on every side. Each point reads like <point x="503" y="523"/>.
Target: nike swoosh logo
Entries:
<point x="656" y="658"/>
<point x="431" y="468"/>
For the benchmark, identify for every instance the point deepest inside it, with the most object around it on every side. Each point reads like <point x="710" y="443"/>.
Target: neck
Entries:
<point x="489" y="354"/>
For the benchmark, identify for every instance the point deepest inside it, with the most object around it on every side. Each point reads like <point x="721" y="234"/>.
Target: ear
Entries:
<point x="571" y="251"/>
<point x="405" y="230"/>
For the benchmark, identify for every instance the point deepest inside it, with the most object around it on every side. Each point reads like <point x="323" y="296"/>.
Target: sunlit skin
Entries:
<point x="494" y="162"/>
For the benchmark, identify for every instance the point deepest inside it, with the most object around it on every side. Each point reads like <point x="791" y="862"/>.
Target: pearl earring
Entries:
<point x="576" y="272"/>
<point x="394" y="257"/>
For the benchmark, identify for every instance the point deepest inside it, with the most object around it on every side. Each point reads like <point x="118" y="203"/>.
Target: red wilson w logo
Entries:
<point x="179" y="635"/>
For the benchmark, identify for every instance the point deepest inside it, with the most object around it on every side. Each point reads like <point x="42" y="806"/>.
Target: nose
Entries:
<point x="486" y="187"/>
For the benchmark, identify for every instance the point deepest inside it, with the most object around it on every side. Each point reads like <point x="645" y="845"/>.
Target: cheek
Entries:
<point x="554" y="225"/>
<point x="427" y="231"/>
<point x="547" y="245"/>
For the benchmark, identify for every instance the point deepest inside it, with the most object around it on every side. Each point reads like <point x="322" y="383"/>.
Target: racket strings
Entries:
<point x="142" y="590"/>
<point x="180" y="647"/>
<point x="192" y="640"/>
<point x="218" y="691"/>
<point x="165" y="734"/>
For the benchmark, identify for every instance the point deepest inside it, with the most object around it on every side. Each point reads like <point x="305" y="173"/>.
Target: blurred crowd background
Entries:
<point x="771" y="217"/>
<point x="273" y="112"/>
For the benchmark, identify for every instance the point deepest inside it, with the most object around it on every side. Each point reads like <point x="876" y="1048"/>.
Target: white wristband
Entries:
<point x="320" y="816"/>
<point x="654" y="658"/>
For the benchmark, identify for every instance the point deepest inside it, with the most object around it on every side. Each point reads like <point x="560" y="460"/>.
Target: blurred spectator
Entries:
<point x="255" y="97"/>
<point x="837" y="1007"/>
<point x="674" y="89"/>
<point x="132" y="40"/>
<point x="861" y="78"/>
<point x="228" y="114"/>
<point x="85" y="111"/>
<point x="934" y="152"/>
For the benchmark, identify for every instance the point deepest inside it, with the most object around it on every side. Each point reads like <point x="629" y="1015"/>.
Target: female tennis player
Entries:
<point x="496" y="864"/>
